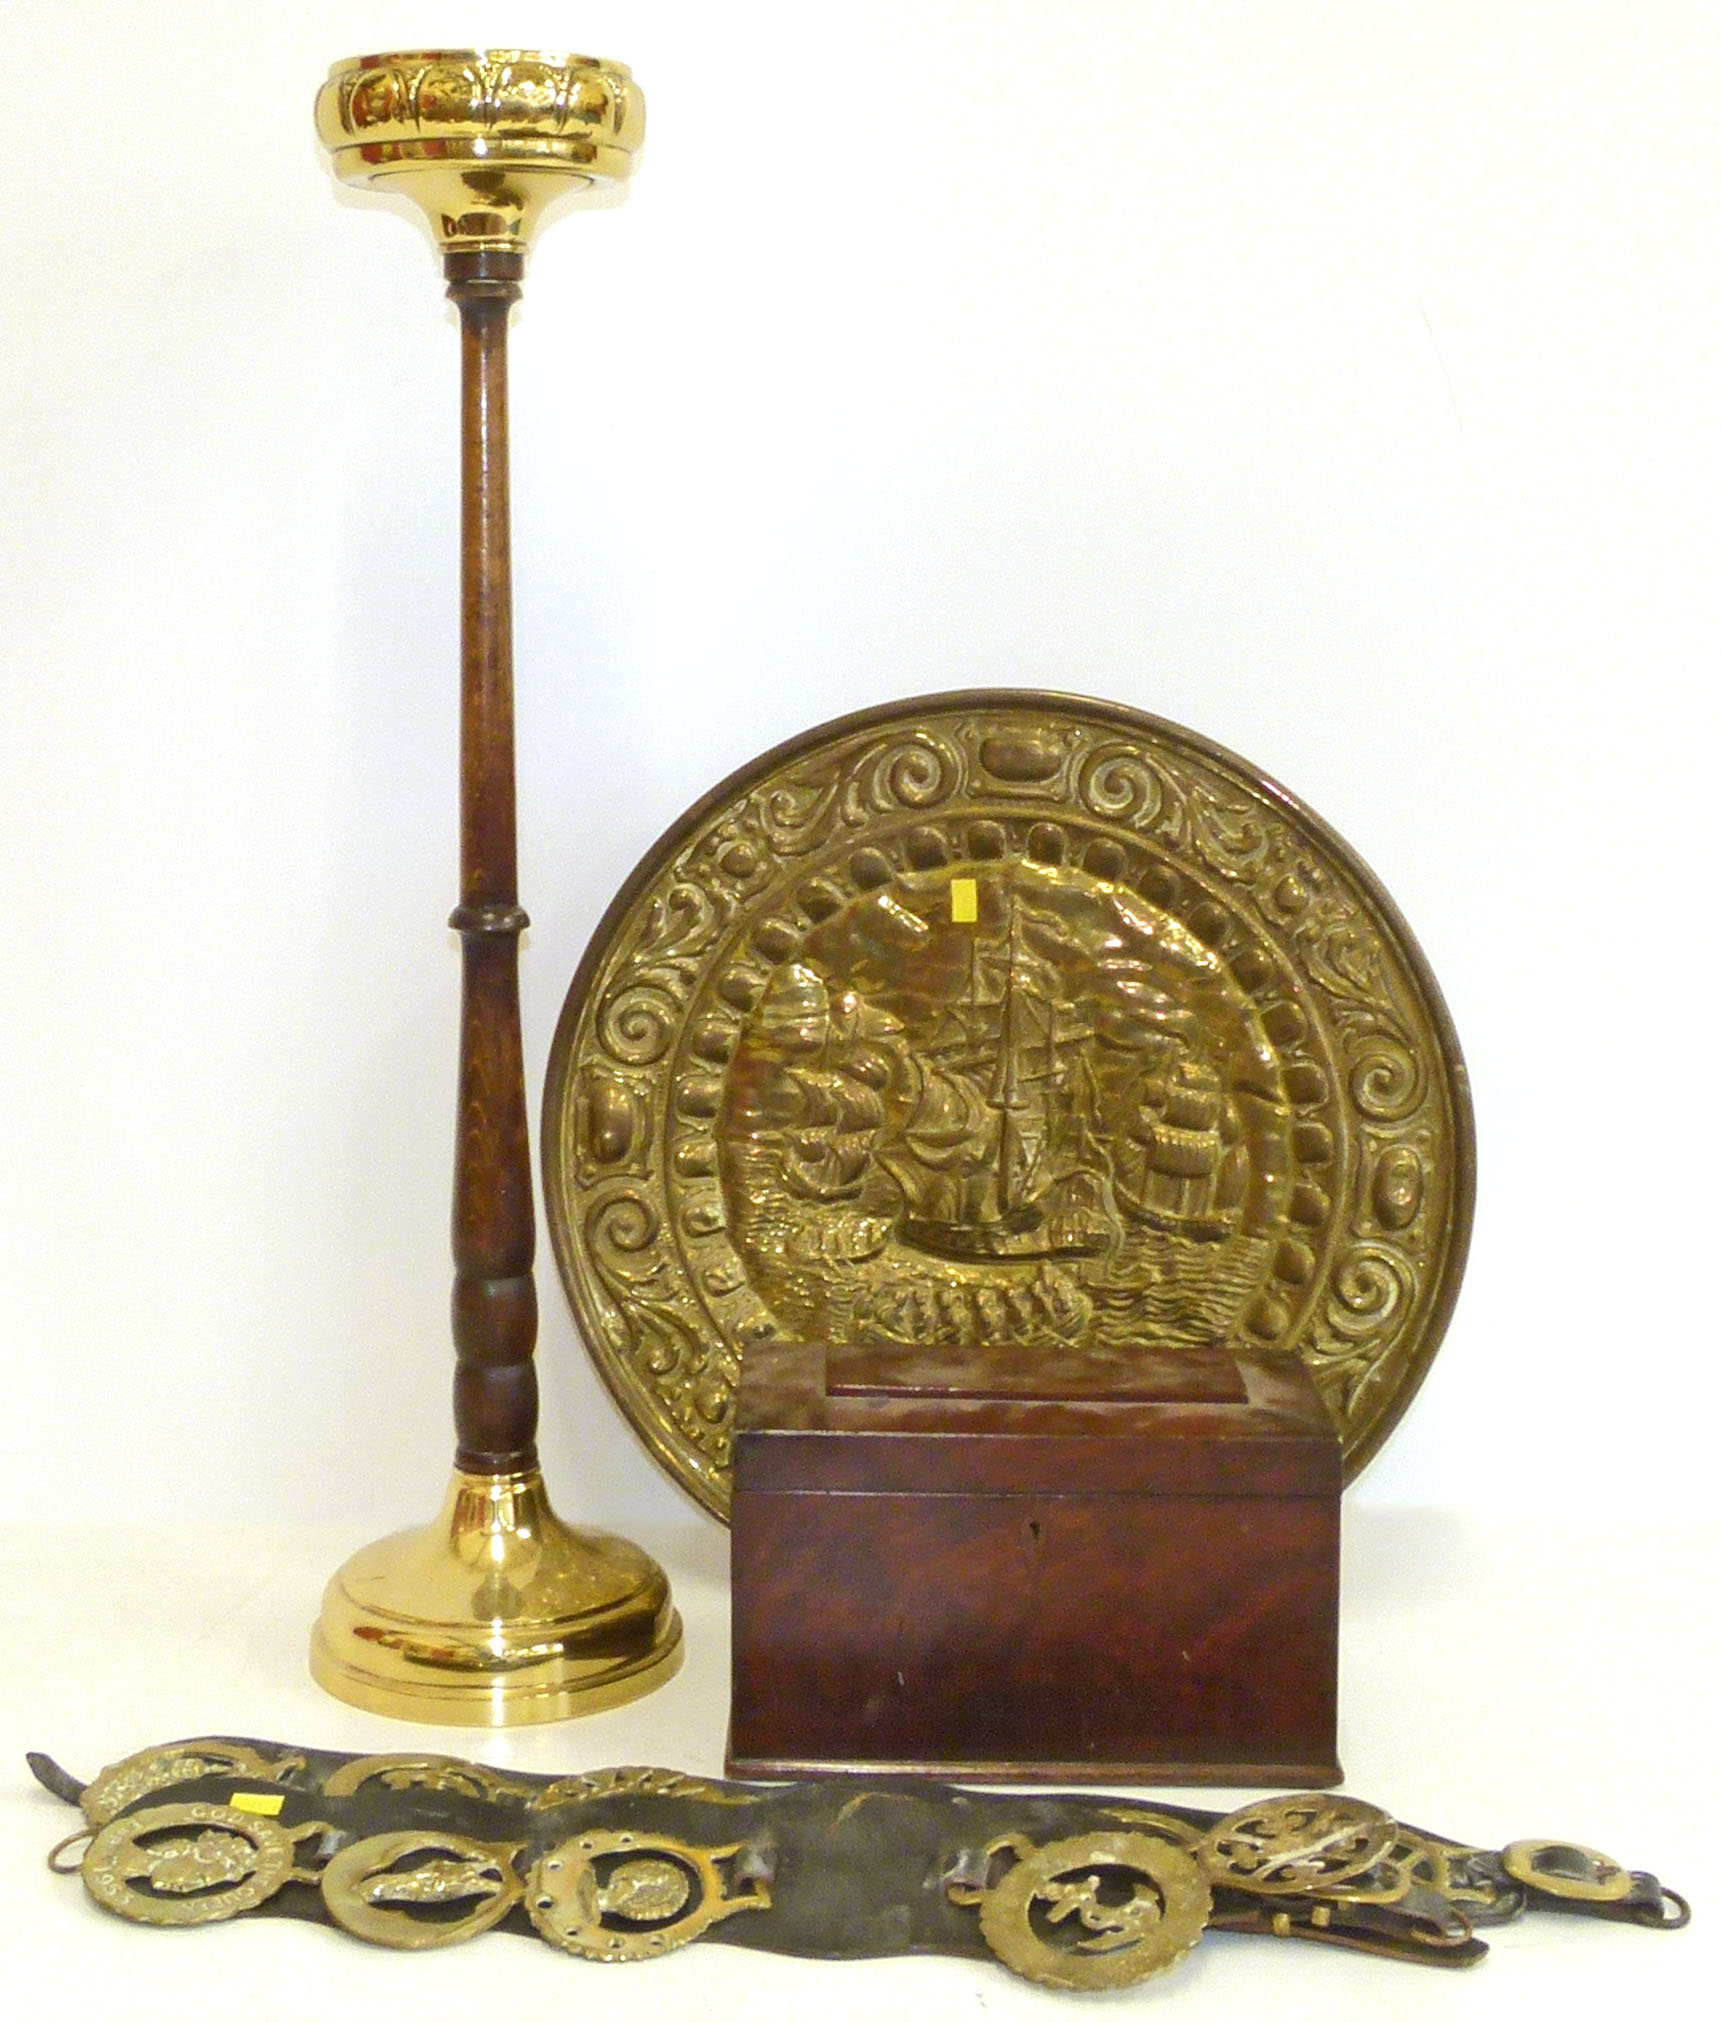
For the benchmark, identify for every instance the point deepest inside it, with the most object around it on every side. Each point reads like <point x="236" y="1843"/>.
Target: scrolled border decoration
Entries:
<point x="917" y="773"/>
<point x="1371" y="1287"/>
<point x="1116" y="782"/>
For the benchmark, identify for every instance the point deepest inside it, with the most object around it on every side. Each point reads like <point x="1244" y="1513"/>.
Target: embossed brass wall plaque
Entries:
<point x="1006" y="1017"/>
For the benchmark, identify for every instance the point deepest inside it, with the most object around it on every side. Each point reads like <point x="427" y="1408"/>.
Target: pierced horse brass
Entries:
<point x="1129" y="1906"/>
<point x="190" y="1864"/>
<point x="419" y="1888"/>
<point x="623" y="1894"/>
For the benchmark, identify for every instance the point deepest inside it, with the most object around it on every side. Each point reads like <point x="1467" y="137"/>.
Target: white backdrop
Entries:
<point x="1341" y="380"/>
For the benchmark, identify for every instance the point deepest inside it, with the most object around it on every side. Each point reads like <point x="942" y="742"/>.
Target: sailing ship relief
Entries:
<point x="1057" y="1120"/>
<point x="991" y="1162"/>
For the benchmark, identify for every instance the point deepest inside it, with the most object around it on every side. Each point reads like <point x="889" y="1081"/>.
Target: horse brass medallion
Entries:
<point x="1003" y="1017"/>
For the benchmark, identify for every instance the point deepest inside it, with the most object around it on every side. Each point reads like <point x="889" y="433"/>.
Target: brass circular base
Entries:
<point x="496" y="1615"/>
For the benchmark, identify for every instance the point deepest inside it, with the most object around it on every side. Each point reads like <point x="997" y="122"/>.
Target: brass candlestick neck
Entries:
<point x="497" y="1612"/>
<point x="484" y="141"/>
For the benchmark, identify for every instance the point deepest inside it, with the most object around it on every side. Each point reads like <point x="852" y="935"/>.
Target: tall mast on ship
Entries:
<point x="1006" y="1093"/>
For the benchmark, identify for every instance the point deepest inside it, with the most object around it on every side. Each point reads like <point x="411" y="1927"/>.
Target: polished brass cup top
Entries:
<point x="482" y="140"/>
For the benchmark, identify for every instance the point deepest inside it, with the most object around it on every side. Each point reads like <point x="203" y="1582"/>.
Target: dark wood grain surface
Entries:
<point x="1026" y="1588"/>
<point x="495" y="1309"/>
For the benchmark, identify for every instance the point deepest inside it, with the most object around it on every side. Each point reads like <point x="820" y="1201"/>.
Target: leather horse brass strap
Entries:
<point x="1079" y="1892"/>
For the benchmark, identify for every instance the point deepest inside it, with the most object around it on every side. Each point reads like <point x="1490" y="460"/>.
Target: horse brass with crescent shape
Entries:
<point x="1003" y="1017"/>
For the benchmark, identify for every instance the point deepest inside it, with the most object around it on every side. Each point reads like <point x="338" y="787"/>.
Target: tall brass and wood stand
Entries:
<point x="497" y="1612"/>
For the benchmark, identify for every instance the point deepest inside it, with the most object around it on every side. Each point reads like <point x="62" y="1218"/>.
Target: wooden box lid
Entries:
<point x="1002" y="1419"/>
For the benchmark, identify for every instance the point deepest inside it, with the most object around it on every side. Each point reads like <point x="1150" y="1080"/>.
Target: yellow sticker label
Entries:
<point x="268" y="1803"/>
<point x="964" y="900"/>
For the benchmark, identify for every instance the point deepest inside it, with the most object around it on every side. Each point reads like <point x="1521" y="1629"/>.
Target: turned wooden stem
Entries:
<point x="495" y="1304"/>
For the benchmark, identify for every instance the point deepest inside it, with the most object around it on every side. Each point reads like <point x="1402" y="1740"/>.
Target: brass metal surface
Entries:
<point x="420" y="1889"/>
<point x="1007" y="1017"/>
<point x="456" y="1776"/>
<point x="118" y="1788"/>
<point x="620" y="1894"/>
<point x="190" y="1864"/>
<point x="482" y="140"/>
<point x="497" y="1613"/>
<point x="1285" y="1846"/>
<point x="1562" y="1869"/>
<point x="413" y="1771"/>
<point x="1099" y="1910"/>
